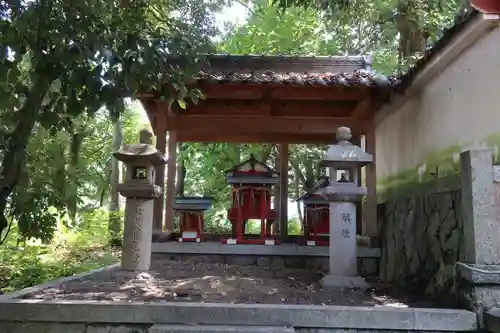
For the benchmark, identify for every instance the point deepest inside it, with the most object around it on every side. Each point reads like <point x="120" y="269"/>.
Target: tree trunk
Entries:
<point x="15" y="151"/>
<point x="72" y="194"/>
<point x="181" y="173"/>
<point x="114" y="224"/>
<point x="102" y="197"/>
<point x="299" y="209"/>
<point x="237" y="149"/>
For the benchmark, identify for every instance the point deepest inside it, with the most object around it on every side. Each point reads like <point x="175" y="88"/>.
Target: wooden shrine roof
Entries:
<point x="325" y="181"/>
<point x="275" y="99"/>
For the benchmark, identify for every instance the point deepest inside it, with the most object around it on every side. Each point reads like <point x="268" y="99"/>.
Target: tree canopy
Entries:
<point x="70" y="72"/>
<point x="62" y="61"/>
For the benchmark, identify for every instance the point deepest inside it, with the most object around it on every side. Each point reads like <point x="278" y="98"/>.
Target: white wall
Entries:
<point x="459" y="106"/>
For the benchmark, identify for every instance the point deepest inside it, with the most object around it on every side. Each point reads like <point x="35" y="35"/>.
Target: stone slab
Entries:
<point x="218" y="329"/>
<point x="47" y="327"/>
<point x="492" y="320"/>
<point x="244" y="249"/>
<point x="479" y="274"/>
<point x="496" y="174"/>
<point x="348" y="282"/>
<point x="346" y="317"/>
<point x="341" y="330"/>
<point x="10" y="327"/>
<point x="50" y="284"/>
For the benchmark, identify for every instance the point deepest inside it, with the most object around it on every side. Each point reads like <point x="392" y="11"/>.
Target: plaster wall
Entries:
<point x="460" y="107"/>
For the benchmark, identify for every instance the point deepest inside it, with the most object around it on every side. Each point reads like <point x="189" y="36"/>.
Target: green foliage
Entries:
<point x="61" y="62"/>
<point x="397" y="31"/>
<point x="71" y="252"/>
<point x="46" y="182"/>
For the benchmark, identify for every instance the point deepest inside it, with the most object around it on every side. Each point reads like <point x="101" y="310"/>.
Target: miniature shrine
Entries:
<point x="251" y="182"/>
<point x="190" y="212"/>
<point x="316" y="217"/>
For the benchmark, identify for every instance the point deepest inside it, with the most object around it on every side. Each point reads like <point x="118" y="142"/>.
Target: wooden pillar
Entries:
<point x="159" y="129"/>
<point x="171" y="171"/>
<point x="358" y="140"/>
<point x="283" y="200"/>
<point x="370" y="209"/>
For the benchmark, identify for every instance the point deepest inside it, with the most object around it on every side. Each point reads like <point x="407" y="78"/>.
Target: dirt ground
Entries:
<point x="173" y="281"/>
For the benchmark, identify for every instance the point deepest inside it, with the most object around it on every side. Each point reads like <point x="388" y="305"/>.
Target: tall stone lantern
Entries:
<point x="343" y="160"/>
<point x="140" y="190"/>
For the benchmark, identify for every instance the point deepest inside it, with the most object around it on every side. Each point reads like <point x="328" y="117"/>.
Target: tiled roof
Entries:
<point x="292" y="70"/>
<point x="359" y="77"/>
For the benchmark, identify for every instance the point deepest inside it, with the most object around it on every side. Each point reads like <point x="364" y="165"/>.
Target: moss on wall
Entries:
<point x="436" y="165"/>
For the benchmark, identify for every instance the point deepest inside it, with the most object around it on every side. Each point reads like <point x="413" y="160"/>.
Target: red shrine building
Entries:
<point x="190" y="212"/>
<point x="252" y="182"/>
<point x="316" y="217"/>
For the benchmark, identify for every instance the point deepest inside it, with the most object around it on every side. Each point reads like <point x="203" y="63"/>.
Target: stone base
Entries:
<point x="367" y="267"/>
<point x="335" y="281"/>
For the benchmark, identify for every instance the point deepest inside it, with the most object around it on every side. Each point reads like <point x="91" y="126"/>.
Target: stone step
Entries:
<point x="173" y="328"/>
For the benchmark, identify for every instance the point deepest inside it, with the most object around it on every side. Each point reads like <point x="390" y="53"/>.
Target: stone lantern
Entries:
<point x="343" y="160"/>
<point x="140" y="190"/>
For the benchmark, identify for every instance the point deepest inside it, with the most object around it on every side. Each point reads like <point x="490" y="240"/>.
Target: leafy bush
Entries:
<point x="72" y="251"/>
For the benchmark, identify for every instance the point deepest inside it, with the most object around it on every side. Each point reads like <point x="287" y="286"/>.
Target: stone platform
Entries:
<point x="284" y="255"/>
<point x="18" y="315"/>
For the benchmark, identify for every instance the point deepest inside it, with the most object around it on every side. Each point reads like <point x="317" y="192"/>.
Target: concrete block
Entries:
<point x="348" y="317"/>
<point x="492" y="320"/>
<point x="481" y="233"/>
<point x="94" y="328"/>
<point x="40" y="327"/>
<point x="284" y="250"/>
<point x="218" y="329"/>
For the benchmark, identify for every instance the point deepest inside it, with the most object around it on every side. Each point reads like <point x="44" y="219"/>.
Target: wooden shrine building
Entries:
<point x="272" y="99"/>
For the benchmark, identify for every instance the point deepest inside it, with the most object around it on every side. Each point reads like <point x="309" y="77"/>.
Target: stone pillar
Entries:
<point x="343" y="249"/>
<point x="140" y="190"/>
<point x="478" y="273"/>
<point x="136" y="251"/>
<point x="343" y="193"/>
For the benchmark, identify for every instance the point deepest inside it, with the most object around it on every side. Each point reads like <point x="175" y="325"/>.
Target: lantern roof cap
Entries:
<point x="344" y="153"/>
<point x="140" y="153"/>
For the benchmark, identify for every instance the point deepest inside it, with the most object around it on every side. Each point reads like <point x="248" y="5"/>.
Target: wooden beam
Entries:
<point x="363" y="109"/>
<point x="277" y="92"/>
<point x="171" y="171"/>
<point x="230" y="92"/>
<point x="248" y="107"/>
<point x="282" y="92"/>
<point x="283" y="200"/>
<point x="312" y="109"/>
<point x="370" y="209"/>
<point x="160" y="131"/>
<point x="256" y="138"/>
<point x="253" y="125"/>
<point x="319" y="93"/>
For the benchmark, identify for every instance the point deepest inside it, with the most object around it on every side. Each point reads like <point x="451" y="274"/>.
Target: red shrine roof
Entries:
<point x="323" y="183"/>
<point x="292" y="70"/>
<point x="252" y="171"/>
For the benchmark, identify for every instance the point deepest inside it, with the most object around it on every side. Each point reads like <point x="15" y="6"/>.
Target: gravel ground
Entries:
<point x="174" y="281"/>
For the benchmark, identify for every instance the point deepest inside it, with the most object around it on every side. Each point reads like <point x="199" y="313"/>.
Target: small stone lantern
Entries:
<point x="140" y="190"/>
<point x="343" y="160"/>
